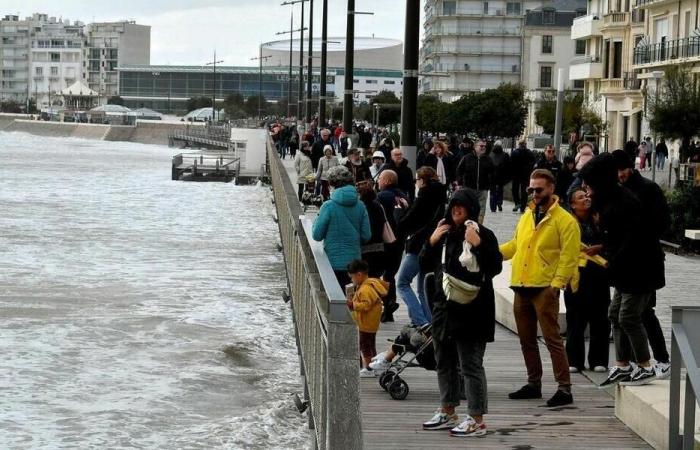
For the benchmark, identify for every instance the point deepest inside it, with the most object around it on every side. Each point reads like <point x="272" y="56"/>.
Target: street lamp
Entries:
<point x="349" y="65"/>
<point x="260" y="59"/>
<point x="213" y="96"/>
<point x="289" y="81"/>
<point x="300" y="94"/>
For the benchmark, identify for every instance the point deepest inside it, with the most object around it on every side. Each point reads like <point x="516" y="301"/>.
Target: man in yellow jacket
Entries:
<point x="545" y="250"/>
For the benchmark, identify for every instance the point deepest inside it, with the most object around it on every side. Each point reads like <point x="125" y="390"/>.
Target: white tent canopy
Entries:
<point x="78" y="89"/>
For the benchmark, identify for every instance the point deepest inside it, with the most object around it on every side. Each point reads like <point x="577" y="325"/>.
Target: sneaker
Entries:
<point x="380" y="365"/>
<point x="640" y="376"/>
<point x="469" y="428"/>
<point x="600" y="369"/>
<point x="441" y="421"/>
<point x="616" y="375"/>
<point x="381" y="355"/>
<point x="500" y="207"/>
<point x="367" y="373"/>
<point x="515" y="209"/>
<point x="573" y="369"/>
<point x="526" y="392"/>
<point x="560" y="398"/>
<point x="663" y="370"/>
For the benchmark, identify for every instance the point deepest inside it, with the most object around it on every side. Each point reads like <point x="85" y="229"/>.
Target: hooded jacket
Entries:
<point x="405" y="175"/>
<point x="343" y="225"/>
<point x="635" y="256"/>
<point x="367" y="304"/>
<point x="501" y="166"/>
<point x="475" y="321"/>
<point x="420" y="219"/>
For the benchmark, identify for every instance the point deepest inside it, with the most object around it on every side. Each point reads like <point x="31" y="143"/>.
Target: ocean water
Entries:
<point x="136" y="311"/>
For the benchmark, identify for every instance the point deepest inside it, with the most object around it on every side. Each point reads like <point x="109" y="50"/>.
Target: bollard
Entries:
<point x="201" y="159"/>
<point x="194" y="168"/>
<point x="217" y="165"/>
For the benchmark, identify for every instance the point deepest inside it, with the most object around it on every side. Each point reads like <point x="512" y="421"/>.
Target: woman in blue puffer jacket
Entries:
<point x="342" y="223"/>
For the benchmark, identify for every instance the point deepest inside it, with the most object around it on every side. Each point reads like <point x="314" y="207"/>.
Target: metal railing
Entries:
<point x="327" y="338"/>
<point x="685" y="353"/>
<point x="666" y="51"/>
<point x="616" y="18"/>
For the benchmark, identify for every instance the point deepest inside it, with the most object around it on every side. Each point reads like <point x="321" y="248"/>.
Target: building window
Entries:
<point x="581" y="47"/>
<point x="547" y="44"/>
<point x="389" y="82"/>
<point x="548" y="17"/>
<point x="513" y="8"/>
<point x="449" y="8"/>
<point x="55" y="57"/>
<point x="54" y="71"/>
<point x="486" y="7"/>
<point x="355" y="81"/>
<point x="38" y="71"/>
<point x="578" y="84"/>
<point x="371" y="81"/>
<point x="545" y="77"/>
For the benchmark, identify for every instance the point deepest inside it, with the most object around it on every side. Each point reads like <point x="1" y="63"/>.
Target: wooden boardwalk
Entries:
<point x="588" y="423"/>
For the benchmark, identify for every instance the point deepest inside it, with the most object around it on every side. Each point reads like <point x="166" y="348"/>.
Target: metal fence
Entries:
<point x="685" y="353"/>
<point x="664" y="51"/>
<point x="327" y="338"/>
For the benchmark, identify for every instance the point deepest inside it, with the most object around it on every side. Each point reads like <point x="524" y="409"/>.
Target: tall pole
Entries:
<point x="213" y="94"/>
<point x="324" y="49"/>
<point x="349" y="67"/>
<point x="300" y="94"/>
<point x="260" y="59"/>
<point x="409" y="99"/>
<point x="289" y="82"/>
<point x="309" y="65"/>
<point x="559" y="112"/>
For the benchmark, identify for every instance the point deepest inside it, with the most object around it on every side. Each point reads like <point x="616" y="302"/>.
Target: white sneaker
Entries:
<point x="663" y="370"/>
<point x="573" y="369"/>
<point x="469" y="428"/>
<point x="600" y="369"/>
<point x="367" y="373"/>
<point x="441" y="421"/>
<point x="381" y="355"/>
<point x="380" y="365"/>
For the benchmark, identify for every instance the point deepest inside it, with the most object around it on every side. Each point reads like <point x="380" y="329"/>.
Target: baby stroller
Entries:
<point x="414" y="346"/>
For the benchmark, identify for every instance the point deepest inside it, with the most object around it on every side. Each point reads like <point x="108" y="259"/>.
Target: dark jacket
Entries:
<point x="376" y="221"/>
<point x="636" y="260"/>
<point x="553" y="166"/>
<point x="448" y="161"/>
<point x="654" y="204"/>
<point x="475" y="172"/>
<point x="317" y="151"/>
<point x="405" y="174"/>
<point x="522" y="161"/>
<point x="631" y="148"/>
<point x="501" y="166"/>
<point x="475" y="321"/>
<point x="359" y="171"/>
<point x="421" y="157"/>
<point x="419" y="220"/>
<point x="564" y="181"/>
<point x="662" y="149"/>
<point x="389" y="199"/>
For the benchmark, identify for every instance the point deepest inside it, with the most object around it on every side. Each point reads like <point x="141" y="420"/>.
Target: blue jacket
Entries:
<point x="343" y="225"/>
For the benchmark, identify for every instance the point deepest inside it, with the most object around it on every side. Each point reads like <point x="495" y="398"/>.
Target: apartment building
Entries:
<point x="471" y="45"/>
<point x="110" y="45"/>
<point x="611" y="84"/>
<point x="548" y="47"/>
<point x="14" y="58"/>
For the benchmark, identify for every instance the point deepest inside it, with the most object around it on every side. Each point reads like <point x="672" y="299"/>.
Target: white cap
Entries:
<point x="378" y="154"/>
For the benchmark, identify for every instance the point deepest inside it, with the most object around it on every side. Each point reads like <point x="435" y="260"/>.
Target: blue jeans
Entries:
<point x="418" y="308"/>
<point x="660" y="159"/>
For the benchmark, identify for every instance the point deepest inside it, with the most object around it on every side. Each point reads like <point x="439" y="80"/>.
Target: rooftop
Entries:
<point x="337" y="45"/>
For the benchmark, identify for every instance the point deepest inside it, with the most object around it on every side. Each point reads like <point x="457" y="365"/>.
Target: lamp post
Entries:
<point x="558" y="118"/>
<point x="213" y="95"/>
<point x="301" y="58"/>
<point x="289" y="81"/>
<point x="349" y="65"/>
<point x="309" y="66"/>
<point x="324" y="48"/>
<point x="260" y="59"/>
<point x="409" y="98"/>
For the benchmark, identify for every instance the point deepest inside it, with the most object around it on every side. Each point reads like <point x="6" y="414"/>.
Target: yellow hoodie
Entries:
<point x="367" y="304"/>
<point x="546" y="254"/>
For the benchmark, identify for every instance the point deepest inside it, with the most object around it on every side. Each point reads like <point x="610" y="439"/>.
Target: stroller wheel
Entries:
<point x="385" y="379"/>
<point x="398" y="389"/>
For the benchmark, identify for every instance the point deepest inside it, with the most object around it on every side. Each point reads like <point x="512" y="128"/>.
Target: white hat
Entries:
<point x="378" y="154"/>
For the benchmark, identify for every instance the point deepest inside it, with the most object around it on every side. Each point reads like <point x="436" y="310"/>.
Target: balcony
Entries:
<point x="612" y="86"/>
<point x="476" y="31"/>
<point x="481" y="68"/>
<point x="472" y="50"/>
<point x="675" y="52"/>
<point x="585" y="68"/>
<point x="615" y="20"/>
<point x="586" y="27"/>
<point x="646" y="4"/>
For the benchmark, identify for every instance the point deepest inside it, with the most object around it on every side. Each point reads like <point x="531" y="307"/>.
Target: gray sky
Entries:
<point x="187" y="31"/>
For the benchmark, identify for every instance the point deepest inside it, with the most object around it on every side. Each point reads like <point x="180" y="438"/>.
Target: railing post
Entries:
<point x="675" y="386"/>
<point x="689" y="416"/>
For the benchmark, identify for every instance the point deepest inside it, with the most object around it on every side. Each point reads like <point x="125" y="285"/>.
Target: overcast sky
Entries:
<point x="187" y="31"/>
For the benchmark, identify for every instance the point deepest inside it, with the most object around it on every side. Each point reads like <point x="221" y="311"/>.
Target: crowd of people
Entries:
<point x="583" y="229"/>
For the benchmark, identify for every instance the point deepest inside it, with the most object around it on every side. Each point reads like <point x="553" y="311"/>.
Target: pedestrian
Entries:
<point x="441" y="160"/>
<point x="584" y="154"/>
<point x="399" y="164"/>
<point x="475" y="171"/>
<point x="649" y="150"/>
<point x="373" y="249"/>
<point x="461" y="249"/>
<point x="377" y="163"/>
<point x="386" y="145"/>
<point x="642" y="155"/>
<point x="357" y="166"/>
<point x="588" y="306"/>
<point x="423" y="152"/>
<point x="545" y="249"/>
<point x="366" y="309"/>
<point x="342" y="224"/>
<point x="661" y="154"/>
<point x="635" y="267"/>
<point x="303" y="168"/>
<point x="549" y="161"/>
<point x="328" y="161"/>
<point x="522" y="161"/>
<point x="344" y="144"/>
<point x="319" y="146"/>
<point x="501" y="175"/>
<point x="631" y="148"/>
<point x="655" y="207"/>
<point x="293" y="143"/>
<point x="565" y="179"/>
<point x="416" y="223"/>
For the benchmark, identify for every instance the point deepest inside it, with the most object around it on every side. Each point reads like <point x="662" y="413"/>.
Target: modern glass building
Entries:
<point x="166" y="89"/>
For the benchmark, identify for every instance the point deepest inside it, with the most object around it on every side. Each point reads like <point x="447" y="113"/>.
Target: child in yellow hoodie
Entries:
<point x="366" y="310"/>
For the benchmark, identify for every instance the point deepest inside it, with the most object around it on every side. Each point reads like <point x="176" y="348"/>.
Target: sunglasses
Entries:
<point x="538" y="190"/>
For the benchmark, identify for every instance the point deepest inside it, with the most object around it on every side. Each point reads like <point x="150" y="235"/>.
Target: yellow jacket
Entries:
<point x="367" y="304"/>
<point x="546" y="255"/>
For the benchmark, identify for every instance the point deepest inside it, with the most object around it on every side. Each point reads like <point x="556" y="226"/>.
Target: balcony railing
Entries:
<point x="473" y="50"/>
<point x="468" y="31"/>
<point x="587" y="59"/>
<point x="477" y="68"/>
<point x="667" y="51"/>
<point x="616" y="19"/>
<point x="630" y="81"/>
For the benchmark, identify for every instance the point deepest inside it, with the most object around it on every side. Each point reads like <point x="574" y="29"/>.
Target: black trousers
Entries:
<point x="657" y="342"/>
<point x="519" y="190"/>
<point x="588" y="307"/>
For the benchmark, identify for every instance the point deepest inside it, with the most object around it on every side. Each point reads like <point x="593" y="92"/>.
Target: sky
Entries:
<point x="187" y="31"/>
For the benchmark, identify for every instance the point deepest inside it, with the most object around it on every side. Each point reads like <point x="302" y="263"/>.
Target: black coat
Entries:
<point x="522" y="161"/>
<point x="448" y="161"/>
<point x="417" y="222"/>
<point x="501" y="167"/>
<point x="389" y="199"/>
<point x="376" y="221"/>
<point x="554" y="166"/>
<point x="564" y="180"/>
<point x="317" y="151"/>
<point x="359" y="171"/>
<point x="475" y="321"/>
<point x="654" y="204"/>
<point x="475" y="172"/>
<point x="406" y="182"/>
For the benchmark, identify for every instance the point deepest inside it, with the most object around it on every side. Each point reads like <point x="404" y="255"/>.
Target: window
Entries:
<point x="581" y="47"/>
<point x="486" y="7"/>
<point x="55" y="57"/>
<point x="548" y="17"/>
<point x="513" y="8"/>
<point x="389" y="82"/>
<point x="38" y="71"/>
<point x="449" y="8"/>
<point x="547" y="44"/>
<point x="545" y="77"/>
<point x="94" y="53"/>
<point x="355" y="81"/>
<point x="578" y="84"/>
<point x="371" y="81"/>
<point x="54" y="71"/>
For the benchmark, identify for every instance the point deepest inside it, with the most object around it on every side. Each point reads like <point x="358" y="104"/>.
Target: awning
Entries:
<point x="78" y="89"/>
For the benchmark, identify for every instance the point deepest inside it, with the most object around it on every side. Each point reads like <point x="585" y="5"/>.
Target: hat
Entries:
<point x="622" y="160"/>
<point x="339" y="176"/>
<point x="378" y="154"/>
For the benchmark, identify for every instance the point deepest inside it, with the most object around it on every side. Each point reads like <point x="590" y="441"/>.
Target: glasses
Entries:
<point x="538" y="190"/>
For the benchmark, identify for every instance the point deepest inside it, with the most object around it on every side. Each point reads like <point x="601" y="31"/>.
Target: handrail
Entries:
<point x="685" y="342"/>
<point x="327" y="339"/>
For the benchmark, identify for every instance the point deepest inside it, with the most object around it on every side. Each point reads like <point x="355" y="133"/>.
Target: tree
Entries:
<point x="233" y="106"/>
<point x="575" y="115"/>
<point x="10" y="106"/>
<point x="251" y="105"/>
<point x="197" y="102"/>
<point x="115" y="100"/>
<point x="674" y="109"/>
<point x="388" y="113"/>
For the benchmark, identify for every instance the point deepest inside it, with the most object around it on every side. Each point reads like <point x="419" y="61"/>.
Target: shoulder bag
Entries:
<point x="456" y="290"/>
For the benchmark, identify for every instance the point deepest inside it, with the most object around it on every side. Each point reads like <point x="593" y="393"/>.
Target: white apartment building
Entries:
<point x="548" y="47"/>
<point x="471" y="45"/>
<point x="14" y="58"/>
